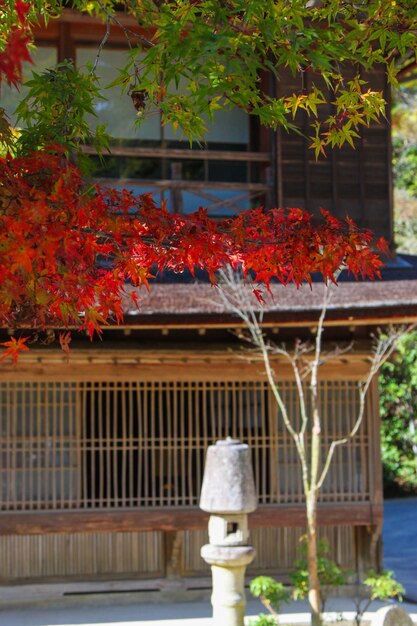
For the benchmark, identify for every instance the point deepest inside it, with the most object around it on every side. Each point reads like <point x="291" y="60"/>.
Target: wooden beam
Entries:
<point x="211" y="321"/>
<point x="71" y="16"/>
<point x="199" y="154"/>
<point x="187" y="185"/>
<point x="54" y="367"/>
<point x="169" y="520"/>
<point x="66" y="48"/>
<point x="337" y="514"/>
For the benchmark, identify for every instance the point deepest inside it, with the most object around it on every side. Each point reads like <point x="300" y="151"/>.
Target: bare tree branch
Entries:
<point x="101" y="46"/>
<point x="384" y="346"/>
<point x="235" y="295"/>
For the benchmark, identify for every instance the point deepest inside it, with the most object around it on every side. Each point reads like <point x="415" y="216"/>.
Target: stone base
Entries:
<point x="228" y="565"/>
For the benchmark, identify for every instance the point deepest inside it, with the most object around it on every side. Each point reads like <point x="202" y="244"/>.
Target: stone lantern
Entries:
<point x="228" y="494"/>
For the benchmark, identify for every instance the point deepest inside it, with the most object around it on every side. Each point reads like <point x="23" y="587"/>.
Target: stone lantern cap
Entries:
<point x="228" y="484"/>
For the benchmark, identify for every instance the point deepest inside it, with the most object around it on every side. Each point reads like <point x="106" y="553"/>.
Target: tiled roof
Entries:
<point x="170" y="300"/>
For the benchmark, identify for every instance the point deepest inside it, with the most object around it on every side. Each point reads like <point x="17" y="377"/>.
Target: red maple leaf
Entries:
<point x="66" y="254"/>
<point x="64" y="341"/>
<point x="14" y="347"/>
<point x="383" y="245"/>
<point x="22" y="9"/>
<point x="15" y="52"/>
<point x="258" y="294"/>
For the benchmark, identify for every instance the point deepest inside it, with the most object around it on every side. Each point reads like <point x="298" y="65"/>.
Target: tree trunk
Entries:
<point x="314" y="595"/>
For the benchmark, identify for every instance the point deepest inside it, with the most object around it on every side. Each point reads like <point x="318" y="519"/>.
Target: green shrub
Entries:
<point x="330" y="574"/>
<point x="405" y="165"/>
<point x="398" y="403"/>
<point x="272" y="594"/>
<point x="377" y="586"/>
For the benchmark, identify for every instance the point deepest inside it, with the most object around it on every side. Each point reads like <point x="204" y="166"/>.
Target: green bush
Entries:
<point x="330" y="574"/>
<point x="382" y="585"/>
<point x="272" y="594"/>
<point x="398" y="403"/>
<point x="377" y="586"/>
<point x="405" y="165"/>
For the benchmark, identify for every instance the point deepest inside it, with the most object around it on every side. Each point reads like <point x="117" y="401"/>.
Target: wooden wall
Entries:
<point x="80" y="556"/>
<point x="355" y="182"/>
<point x="76" y="447"/>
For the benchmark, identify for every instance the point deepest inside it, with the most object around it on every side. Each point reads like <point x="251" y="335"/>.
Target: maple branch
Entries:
<point x="101" y="46"/>
<point x="127" y="31"/>
<point x="99" y="239"/>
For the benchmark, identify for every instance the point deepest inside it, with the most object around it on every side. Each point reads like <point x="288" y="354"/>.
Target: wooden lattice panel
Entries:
<point x="39" y="445"/>
<point x="118" y="445"/>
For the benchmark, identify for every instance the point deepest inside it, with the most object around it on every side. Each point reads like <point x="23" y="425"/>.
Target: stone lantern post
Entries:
<point x="228" y="494"/>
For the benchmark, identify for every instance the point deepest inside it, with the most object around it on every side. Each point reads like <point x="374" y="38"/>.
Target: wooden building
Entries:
<point x="102" y="456"/>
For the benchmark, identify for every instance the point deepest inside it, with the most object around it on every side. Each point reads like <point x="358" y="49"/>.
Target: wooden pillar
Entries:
<point x="176" y="174"/>
<point x="66" y="46"/>
<point x="173" y="547"/>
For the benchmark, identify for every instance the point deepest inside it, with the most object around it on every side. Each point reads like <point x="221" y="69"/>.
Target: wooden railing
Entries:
<point x="186" y="154"/>
<point x="219" y="197"/>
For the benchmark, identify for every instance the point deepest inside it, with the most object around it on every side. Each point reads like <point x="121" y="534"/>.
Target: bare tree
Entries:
<point x="305" y="360"/>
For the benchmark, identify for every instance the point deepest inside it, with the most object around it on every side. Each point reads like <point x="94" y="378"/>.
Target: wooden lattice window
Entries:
<point x="144" y="443"/>
<point x="39" y="445"/>
<point x="115" y="445"/>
